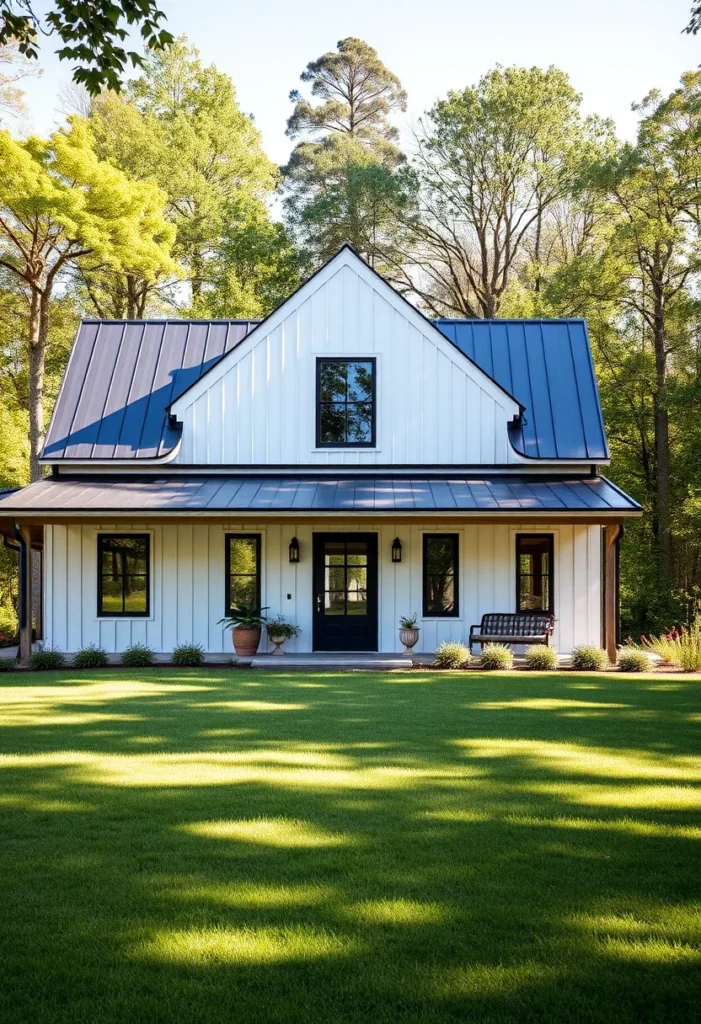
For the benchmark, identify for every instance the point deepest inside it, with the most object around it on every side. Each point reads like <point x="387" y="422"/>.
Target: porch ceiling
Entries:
<point x="200" y="495"/>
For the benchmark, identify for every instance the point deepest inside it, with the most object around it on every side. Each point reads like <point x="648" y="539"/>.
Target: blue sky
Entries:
<point x="613" y="50"/>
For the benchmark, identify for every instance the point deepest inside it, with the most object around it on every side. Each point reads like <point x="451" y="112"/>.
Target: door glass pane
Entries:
<point x="336" y="578"/>
<point x="335" y="602"/>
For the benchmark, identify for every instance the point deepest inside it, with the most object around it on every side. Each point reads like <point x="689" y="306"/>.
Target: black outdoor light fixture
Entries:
<point x="294" y="550"/>
<point x="396" y="550"/>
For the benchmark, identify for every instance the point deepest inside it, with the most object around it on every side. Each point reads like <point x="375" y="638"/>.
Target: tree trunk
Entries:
<point x="38" y="324"/>
<point x="664" y="540"/>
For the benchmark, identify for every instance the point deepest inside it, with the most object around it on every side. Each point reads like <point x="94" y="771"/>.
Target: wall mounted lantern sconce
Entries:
<point x="396" y="550"/>
<point x="294" y="550"/>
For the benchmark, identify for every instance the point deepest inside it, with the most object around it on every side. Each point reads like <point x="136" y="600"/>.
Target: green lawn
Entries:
<point x="209" y="846"/>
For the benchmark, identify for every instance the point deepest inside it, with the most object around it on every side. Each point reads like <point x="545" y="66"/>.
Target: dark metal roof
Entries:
<point x="547" y="365"/>
<point x="123" y="375"/>
<point x="528" y="493"/>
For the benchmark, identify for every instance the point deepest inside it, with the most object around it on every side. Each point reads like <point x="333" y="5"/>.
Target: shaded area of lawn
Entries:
<point x="202" y="846"/>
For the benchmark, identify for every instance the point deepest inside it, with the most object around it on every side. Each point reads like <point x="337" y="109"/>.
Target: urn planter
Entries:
<point x="409" y="637"/>
<point x="278" y="641"/>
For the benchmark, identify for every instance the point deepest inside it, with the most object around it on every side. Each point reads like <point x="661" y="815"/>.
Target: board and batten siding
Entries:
<point x="433" y="406"/>
<point x="187" y="583"/>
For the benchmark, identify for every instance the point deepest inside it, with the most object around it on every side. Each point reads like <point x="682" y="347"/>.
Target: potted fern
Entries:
<point x="245" y="623"/>
<point x="279" y="630"/>
<point x="408" y="631"/>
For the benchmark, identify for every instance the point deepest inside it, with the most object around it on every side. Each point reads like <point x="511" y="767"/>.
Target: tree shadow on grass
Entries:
<point x="252" y="848"/>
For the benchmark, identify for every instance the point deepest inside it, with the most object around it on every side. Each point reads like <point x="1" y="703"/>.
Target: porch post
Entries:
<point x="26" y="602"/>
<point x="611" y="537"/>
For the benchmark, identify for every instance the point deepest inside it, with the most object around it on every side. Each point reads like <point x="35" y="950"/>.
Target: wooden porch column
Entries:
<point x="26" y="603"/>
<point x="611" y="536"/>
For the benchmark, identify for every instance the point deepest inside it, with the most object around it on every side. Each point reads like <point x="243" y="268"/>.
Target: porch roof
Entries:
<point x="223" y="493"/>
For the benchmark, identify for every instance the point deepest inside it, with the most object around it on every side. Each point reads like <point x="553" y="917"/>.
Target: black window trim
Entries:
<point x="101" y="537"/>
<point x="550" y="537"/>
<point x="228" y="537"/>
<point x="372" y="443"/>
<point x="454" y="613"/>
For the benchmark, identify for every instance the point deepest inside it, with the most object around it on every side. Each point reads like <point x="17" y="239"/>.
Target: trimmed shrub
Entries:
<point x="46" y="659"/>
<point x="188" y="655"/>
<point x="587" y="658"/>
<point x="632" y="659"/>
<point x="8" y="664"/>
<point x="452" y="655"/>
<point x="497" y="656"/>
<point x="541" y="658"/>
<point x="137" y="656"/>
<point x="91" y="656"/>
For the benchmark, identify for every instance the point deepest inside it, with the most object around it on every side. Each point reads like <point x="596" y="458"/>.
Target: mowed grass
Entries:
<point x="207" y="846"/>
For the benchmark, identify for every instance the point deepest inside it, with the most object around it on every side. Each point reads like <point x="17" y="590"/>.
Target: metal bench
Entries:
<point x="513" y="628"/>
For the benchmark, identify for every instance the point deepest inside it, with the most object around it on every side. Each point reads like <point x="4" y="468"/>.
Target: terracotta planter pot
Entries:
<point x="246" y="641"/>
<point x="409" y="637"/>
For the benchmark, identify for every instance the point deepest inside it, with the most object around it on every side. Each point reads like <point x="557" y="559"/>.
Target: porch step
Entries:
<point x="324" y="661"/>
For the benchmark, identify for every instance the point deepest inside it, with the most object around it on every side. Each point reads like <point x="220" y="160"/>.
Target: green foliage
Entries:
<point x="496" y="164"/>
<point x="408" y="621"/>
<point x="8" y="664"/>
<point x="92" y="33"/>
<point x="664" y="646"/>
<point x="245" y="616"/>
<point x="632" y="659"/>
<point x="541" y="658"/>
<point x="46" y="659"/>
<point x="91" y="656"/>
<point x="587" y="658"/>
<point x="180" y="124"/>
<point x="680" y="647"/>
<point x="137" y="656"/>
<point x="343" y="179"/>
<point x="280" y="627"/>
<point x="497" y="657"/>
<point x="188" y="655"/>
<point x="452" y="655"/>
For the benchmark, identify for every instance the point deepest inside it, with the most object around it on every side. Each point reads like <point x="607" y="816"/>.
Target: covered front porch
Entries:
<point x="342" y="559"/>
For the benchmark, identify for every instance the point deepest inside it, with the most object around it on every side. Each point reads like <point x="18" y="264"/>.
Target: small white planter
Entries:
<point x="409" y="637"/>
<point x="278" y="641"/>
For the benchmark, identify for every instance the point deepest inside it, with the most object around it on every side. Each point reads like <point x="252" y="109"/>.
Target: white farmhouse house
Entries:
<point x="345" y="462"/>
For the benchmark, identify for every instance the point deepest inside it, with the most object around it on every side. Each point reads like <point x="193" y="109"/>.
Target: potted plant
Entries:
<point x="408" y="631"/>
<point x="245" y="623"/>
<point x="280" y="630"/>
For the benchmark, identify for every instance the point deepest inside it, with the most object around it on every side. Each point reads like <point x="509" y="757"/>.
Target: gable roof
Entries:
<point x="123" y="376"/>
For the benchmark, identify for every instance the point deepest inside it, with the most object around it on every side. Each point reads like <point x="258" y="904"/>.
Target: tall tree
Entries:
<point x="654" y="192"/>
<point x="60" y="205"/>
<point x="92" y="33"/>
<point x="180" y="124"/>
<point x="342" y="181"/>
<point x="492" y="162"/>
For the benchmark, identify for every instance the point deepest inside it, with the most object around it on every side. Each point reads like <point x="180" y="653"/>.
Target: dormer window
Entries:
<point x="345" y="403"/>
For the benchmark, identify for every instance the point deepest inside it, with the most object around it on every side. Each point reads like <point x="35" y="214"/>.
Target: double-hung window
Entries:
<point x="123" y="574"/>
<point x="345" y="403"/>
<point x="441" y="575"/>
<point x="534" y="572"/>
<point x="242" y="571"/>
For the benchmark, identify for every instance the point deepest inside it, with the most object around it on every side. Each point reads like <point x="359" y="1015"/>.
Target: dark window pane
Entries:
<point x="333" y="424"/>
<point x="123" y="585"/>
<point x="359" y="423"/>
<point x="533" y="559"/>
<point x="359" y="382"/>
<point x="333" y="378"/>
<point x="345" y="402"/>
<point x="440" y="575"/>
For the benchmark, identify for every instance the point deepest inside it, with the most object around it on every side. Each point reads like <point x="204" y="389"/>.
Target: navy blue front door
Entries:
<point x="345" y="591"/>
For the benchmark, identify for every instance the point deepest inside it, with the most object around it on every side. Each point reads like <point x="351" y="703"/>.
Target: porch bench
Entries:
<point x="512" y="628"/>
